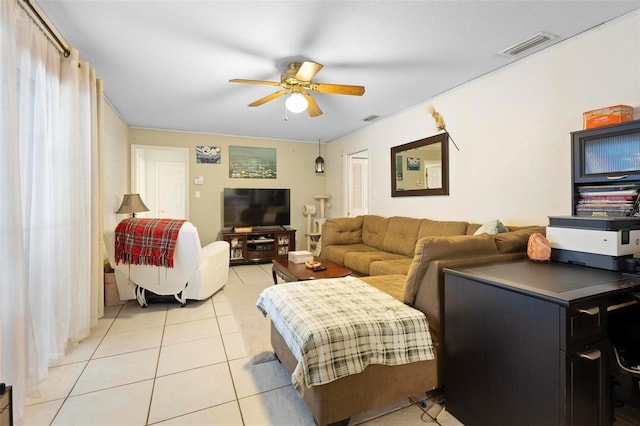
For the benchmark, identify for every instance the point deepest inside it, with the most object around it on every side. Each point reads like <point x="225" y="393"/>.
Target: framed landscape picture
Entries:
<point x="251" y="162"/>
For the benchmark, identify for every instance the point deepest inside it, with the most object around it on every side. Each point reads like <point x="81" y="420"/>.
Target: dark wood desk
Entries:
<point x="290" y="271"/>
<point x="526" y="343"/>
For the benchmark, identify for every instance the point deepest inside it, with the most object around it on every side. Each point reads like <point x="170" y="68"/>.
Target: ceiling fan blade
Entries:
<point x="268" y="98"/>
<point x="308" y="70"/>
<point x="337" y="89"/>
<point x="313" y="109"/>
<point x="242" y="80"/>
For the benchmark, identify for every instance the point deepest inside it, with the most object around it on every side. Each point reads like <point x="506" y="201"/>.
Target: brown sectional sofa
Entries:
<point x="405" y="257"/>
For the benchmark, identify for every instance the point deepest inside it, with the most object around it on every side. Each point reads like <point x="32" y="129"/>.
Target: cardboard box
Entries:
<point x="300" y="256"/>
<point x="615" y="114"/>
<point x="111" y="294"/>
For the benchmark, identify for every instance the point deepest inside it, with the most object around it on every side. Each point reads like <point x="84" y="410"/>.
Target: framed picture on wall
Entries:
<point x="208" y="154"/>
<point x="250" y="162"/>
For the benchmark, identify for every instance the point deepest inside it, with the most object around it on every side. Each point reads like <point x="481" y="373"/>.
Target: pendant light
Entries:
<point x="319" y="161"/>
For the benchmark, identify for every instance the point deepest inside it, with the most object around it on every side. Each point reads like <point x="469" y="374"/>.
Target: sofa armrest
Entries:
<point x="429" y="249"/>
<point x="430" y="294"/>
<point x="215" y="248"/>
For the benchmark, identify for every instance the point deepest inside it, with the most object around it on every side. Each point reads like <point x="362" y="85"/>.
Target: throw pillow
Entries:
<point x="493" y="227"/>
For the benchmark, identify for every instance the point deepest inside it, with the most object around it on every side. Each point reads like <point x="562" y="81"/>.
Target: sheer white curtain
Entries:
<point x="50" y="279"/>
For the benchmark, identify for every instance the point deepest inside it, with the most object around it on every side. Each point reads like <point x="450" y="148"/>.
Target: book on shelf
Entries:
<point x="608" y="200"/>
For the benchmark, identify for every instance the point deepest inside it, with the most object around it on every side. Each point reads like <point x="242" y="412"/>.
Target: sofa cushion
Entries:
<point x="374" y="230"/>
<point x="343" y="230"/>
<point x="435" y="248"/>
<point x="390" y="267"/>
<point x="336" y="253"/>
<point x="441" y="228"/>
<point x="512" y="242"/>
<point x="401" y="236"/>
<point x="390" y="284"/>
<point x="359" y="261"/>
<point x="492" y="227"/>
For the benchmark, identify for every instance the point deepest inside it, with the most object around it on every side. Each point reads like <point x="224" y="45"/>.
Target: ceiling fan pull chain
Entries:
<point x="286" y="115"/>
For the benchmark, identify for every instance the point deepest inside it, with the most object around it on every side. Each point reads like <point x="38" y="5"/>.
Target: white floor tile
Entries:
<point x="138" y="319"/>
<point x="129" y="341"/>
<point x="123" y="405"/>
<point x="81" y="351"/>
<point x="218" y="296"/>
<point x="194" y="310"/>
<point x="222" y="308"/>
<point x="190" y="355"/>
<point x="251" y="379"/>
<point x="281" y="406"/>
<point x="117" y="370"/>
<point x="41" y="414"/>
<point x="224" y="415"/>
<point x="366" y="417"/>
<point x="104" y="324"/>
<point x="228" y="324"/>
<point x="190" y="391"/>
<point x="59" y="382"/>
<point x="192" y="330"/>
<point x="234" y="346"/>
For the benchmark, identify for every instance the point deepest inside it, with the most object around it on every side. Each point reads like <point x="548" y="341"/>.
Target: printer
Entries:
<point x="599" y="242"/>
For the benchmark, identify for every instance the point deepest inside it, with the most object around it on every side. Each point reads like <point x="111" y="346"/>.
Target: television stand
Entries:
<point x="260" y="245"/>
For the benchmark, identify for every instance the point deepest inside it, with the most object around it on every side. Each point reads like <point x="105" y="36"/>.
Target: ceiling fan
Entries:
<point x="296" y="82"/>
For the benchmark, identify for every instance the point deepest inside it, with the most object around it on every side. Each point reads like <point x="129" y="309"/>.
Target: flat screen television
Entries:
<point x="256" y="207"/>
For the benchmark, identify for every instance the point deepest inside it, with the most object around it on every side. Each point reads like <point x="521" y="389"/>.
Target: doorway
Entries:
<point x="159" y="175"/>
<point x="358" y="184"/>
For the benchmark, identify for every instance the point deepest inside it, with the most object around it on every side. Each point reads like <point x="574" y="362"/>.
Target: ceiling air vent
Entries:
<point x="528" y="44"/>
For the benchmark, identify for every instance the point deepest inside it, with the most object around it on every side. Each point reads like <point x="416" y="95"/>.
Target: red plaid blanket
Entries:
<point x="147" y="241"/>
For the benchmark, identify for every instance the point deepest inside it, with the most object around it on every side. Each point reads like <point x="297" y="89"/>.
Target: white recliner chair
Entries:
<point x="198" y="272"/>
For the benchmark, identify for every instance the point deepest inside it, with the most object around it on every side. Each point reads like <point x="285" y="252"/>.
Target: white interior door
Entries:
<point x="170" y="188"/>
<point x="358" y="184"/>
<point x="160" y="176"/>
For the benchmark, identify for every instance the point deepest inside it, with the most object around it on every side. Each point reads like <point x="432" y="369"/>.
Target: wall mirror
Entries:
<point x="421" y="167"/>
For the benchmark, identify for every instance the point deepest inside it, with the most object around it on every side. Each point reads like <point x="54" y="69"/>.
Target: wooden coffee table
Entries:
<point x="290" y="271"/>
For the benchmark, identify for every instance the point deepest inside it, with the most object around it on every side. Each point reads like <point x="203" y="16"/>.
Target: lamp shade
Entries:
<point x="296" y="103"/>
<point x="132" y="204"/>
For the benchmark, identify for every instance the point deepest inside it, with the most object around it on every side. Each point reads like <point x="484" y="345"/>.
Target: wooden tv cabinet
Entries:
<point x="260" y="245"/>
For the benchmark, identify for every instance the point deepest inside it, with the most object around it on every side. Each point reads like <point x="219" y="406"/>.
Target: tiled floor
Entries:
<point x="168" y="365"/>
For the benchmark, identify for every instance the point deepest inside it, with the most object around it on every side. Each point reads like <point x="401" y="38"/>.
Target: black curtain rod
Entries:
<point x="65" y="51"/>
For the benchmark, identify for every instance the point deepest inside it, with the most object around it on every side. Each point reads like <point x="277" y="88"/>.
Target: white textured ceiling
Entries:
<point x="166" y="64"/>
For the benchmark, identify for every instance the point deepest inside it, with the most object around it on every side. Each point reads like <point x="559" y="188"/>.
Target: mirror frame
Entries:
<point x="443" y="139"/>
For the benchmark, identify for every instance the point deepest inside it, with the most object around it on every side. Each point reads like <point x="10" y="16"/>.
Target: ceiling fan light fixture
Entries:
<point x="296" y="103"/>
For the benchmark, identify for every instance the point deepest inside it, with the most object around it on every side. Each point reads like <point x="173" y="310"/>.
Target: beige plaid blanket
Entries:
<point x="337" y="327"/>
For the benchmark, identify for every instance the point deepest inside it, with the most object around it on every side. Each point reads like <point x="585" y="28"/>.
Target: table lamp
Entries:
<point x="132" y="203"/>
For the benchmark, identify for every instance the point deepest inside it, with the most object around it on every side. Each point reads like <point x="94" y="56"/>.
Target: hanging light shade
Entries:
<point x="319" y="161"/>
<point x="132" y="204"/>
<point x="296" y="103"/>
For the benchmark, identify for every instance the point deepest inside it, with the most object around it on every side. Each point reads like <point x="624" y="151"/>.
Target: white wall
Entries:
<point x="115" y="163"/>
<point x="513" y="129"/>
